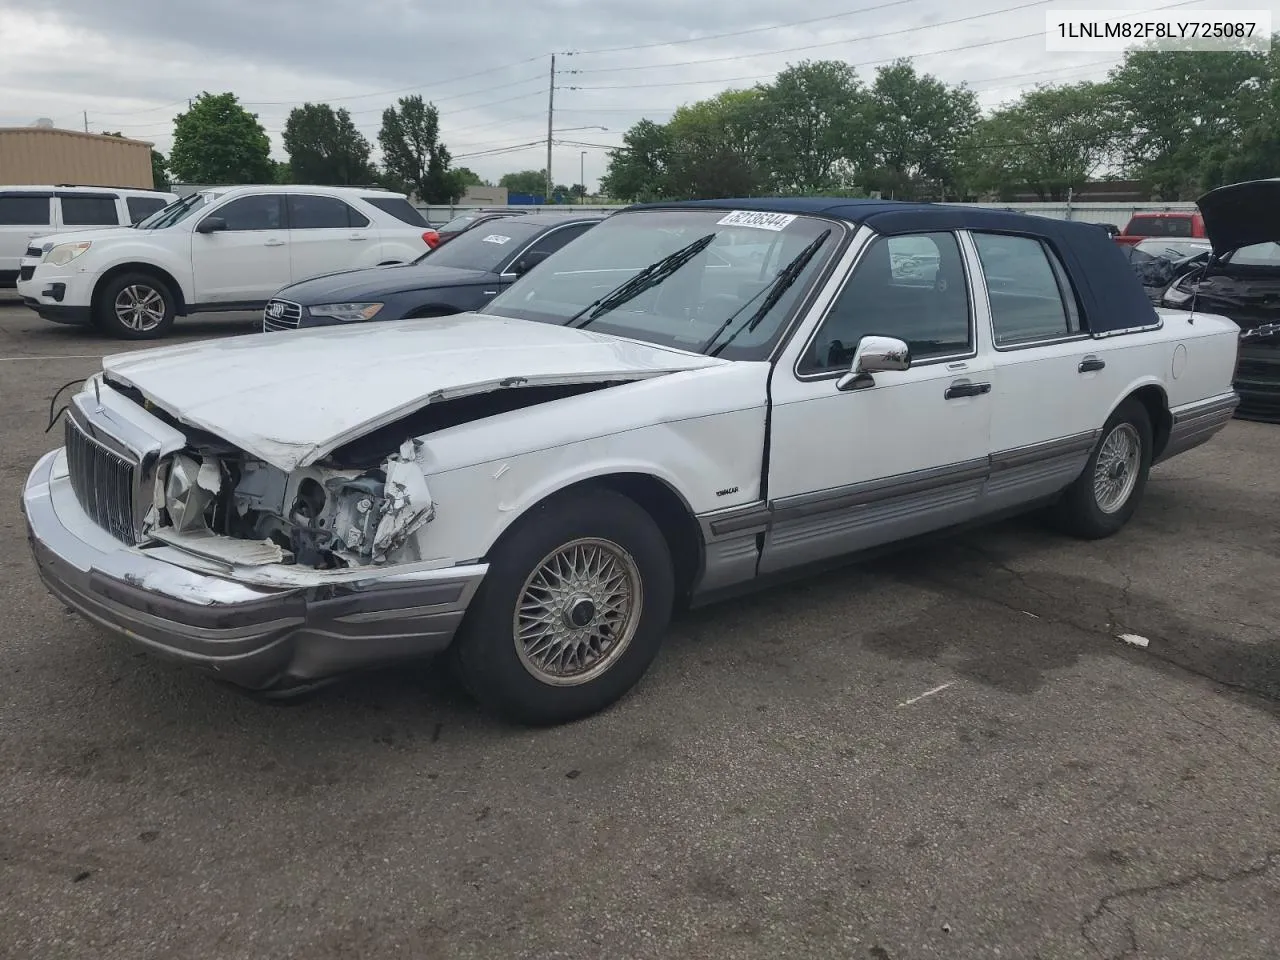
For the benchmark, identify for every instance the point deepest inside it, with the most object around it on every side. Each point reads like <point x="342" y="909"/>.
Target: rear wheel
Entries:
<point x="1106" y="493"/>
<point x="134" y="306"/>
<point x="572" y="611"/>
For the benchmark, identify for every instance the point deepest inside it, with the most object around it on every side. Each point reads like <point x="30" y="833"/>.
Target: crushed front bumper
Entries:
<point x="260" y="638"/>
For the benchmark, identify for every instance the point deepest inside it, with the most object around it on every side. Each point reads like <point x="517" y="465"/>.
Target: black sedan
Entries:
<point x="463" y="275"/>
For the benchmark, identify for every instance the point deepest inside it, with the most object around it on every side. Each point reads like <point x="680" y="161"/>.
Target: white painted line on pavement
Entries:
<point x="927" y="693"/>
<point x="1134" y="639"/>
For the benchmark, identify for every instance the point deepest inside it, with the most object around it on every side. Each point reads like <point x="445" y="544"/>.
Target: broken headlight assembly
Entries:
<point x="346" y="312"/>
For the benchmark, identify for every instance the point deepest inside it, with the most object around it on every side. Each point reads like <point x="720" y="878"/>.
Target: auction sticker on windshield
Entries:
<point x="495" y="238"/>
<point x="756" y="219"/>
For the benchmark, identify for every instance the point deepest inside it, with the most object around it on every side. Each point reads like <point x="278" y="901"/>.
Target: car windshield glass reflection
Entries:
<point x="711" y="281"/>
<point x="484" y="247"/>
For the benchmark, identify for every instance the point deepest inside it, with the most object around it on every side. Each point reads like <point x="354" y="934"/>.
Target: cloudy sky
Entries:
<point x="132" y="64"/>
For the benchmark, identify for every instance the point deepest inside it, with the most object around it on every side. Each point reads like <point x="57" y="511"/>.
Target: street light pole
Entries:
<point x="582" y="176"/>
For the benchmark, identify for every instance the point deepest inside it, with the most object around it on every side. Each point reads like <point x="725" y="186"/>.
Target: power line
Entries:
<point x="828" y="43"/>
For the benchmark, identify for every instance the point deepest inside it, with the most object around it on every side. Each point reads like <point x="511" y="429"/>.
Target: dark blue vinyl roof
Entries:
<point x="1112" y="297"/>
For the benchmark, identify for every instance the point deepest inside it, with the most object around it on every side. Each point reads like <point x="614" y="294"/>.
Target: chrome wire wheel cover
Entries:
<point x="1116" y="471"/>
<point x="578" y="611"/>
<point x="139" y="307"/>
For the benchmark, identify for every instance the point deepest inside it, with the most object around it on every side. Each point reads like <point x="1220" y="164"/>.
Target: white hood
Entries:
<point x="293" y="397"/>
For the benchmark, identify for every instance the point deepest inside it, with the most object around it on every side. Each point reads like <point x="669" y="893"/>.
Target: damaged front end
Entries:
<point x="223" y="505"/>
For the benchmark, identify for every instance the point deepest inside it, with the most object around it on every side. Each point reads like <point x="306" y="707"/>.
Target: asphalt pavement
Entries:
<point x="946" y="753"/>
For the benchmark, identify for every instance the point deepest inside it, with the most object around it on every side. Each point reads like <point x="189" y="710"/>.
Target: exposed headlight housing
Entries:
<point x="190" y="487"/>
<point x="1177" y="296"/>
<point x="63" y="253"/>
<point x="347" y="312"/>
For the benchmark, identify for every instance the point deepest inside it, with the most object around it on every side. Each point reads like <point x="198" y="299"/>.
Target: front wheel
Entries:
<point x="134" y="306"/>
<point x="572" y="611"/>
<point x="1106" y="493"/>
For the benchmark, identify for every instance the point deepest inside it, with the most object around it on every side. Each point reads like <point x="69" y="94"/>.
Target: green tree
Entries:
<point x="525" y="181"/>
<point x="159" y="171"/>
<point x="325" y="147"/>
<point x="637" y="172"/>
<point x="918" y="124"/>
<point x="714" y="148"/>
<point x="217" y="141"/>
<point x="413" y="154"/>
<point x="817" y="115"/>
<point x="1052" y="139"/>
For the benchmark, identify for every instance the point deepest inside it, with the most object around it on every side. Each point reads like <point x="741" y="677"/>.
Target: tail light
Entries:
<point x="431" y="238"/>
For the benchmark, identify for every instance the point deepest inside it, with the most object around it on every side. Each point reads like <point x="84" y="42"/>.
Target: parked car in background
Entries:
<point x="632" y="425"/>
<point x="31" y="216"/>
<point x="221" y="249"/>
<point x="1162" y="224"/>
<point x="1110" y="229"/>
<point x="1157" y="262"/>
<point x="465" y="221"/>
<point x="464" y="276"/>
<point x="1242" y="281"/>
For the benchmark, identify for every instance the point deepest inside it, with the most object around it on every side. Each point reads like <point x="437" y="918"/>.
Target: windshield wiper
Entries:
<point x="780" y="284"/>
<point x="646" y="279"/>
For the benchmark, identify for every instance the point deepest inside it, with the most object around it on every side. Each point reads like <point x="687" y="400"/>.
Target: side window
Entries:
<point x="89" y="211"/>
<point x="555" y="240"/>
<point x="910" y="287"/>
<point x="27" y="211"/>
<point x="262" y="212"/>
<point x="1031" y="296"/>
<point x="322" y="213"/>
<point x="142" y="207"/>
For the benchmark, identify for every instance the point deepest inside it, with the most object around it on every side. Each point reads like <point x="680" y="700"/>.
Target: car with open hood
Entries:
<point x="463" y="276"/>
<point x="1241" y="280"/>
<point x="1158" y="262"/>
<point x="639" y="424"/>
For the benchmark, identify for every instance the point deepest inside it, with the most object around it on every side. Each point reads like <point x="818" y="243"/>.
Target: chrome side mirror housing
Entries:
<point x="875" y="354"/>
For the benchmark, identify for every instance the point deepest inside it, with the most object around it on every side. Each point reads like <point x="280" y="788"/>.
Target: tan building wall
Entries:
<point x="494" y="196"/>
<point x="39" y="155"/>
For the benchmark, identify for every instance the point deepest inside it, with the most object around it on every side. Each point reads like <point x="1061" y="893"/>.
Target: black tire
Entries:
<point x="485" y="655"/>
<point x="1080" y="512"/>
<point x="109" y="305"/>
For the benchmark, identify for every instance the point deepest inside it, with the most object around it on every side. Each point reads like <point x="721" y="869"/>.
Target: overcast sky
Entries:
<point x="131" y="64"/>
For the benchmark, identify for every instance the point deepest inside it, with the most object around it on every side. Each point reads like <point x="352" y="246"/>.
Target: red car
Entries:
<point x="467" y="221"/>
<point x="1181" y="224"/>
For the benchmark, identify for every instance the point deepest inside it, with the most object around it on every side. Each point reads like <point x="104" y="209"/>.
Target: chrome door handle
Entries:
<point x="1089" y="364"/>
<point x="357" y="236"/>
<point x="963" y="388"/>
<point x="274" y="243"/>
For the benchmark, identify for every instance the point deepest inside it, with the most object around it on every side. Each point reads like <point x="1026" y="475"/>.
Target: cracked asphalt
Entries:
<point x="945" y="753"/>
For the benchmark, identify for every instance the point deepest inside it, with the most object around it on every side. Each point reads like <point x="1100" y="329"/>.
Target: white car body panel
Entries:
<point x="268" y="403"/>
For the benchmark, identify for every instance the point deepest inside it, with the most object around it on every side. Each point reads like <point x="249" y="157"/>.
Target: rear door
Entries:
<point x="326" y="235"/>
<point x="24" y="216"/>
<point x="84" y="211"/>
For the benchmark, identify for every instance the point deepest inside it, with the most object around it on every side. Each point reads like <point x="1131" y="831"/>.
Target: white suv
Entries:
<point x="29" y="213"/>
<point x="220" y="249"/>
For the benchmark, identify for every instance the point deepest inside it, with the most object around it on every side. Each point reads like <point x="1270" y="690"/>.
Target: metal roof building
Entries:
<point x="44" y="154"/>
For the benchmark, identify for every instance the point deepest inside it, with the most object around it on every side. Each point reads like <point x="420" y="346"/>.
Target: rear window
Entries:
<point x="398" y="207"/>
<point x="22" y="210"/>
<point x="90" y="212"/>
<point x="458" y="223"/>
<point x="142" y="207"/>
<point x="1159" y="227"/>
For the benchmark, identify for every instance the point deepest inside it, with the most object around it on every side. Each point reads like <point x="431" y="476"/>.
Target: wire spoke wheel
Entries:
<point x="577" y="612"/>
<point x="140" y="308"/>
<point x="1116" y="471"/>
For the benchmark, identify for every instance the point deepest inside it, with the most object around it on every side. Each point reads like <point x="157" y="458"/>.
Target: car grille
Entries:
<point x="102" y="481"/>
<point x="281" y="315"/>
<point x="26" y="273"/>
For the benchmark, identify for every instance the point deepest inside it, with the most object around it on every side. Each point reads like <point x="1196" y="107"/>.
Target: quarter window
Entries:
<point x="25" y="211"/>
<point x="910" y="287"/>
<point x="142" y="207"/>
<point x="322" y="213"/>
<point x="89" y="212"/>
<point x="262" y="212"/>
<point x="1031" y="296"/>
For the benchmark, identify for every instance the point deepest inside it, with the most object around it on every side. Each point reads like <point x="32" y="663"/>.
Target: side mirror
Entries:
<point x="211" y="225"/>
<point x="874" y="355"/>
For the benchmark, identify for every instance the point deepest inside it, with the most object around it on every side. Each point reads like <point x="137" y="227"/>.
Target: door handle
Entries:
<point x="963" y="388"/>
<point x="1089" y="364"/>
<point x="273" y="243"/>
<point x="357" y="236"/>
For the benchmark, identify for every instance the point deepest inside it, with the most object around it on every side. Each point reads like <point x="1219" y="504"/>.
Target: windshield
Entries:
<point x="1257" y="255"/>
<point x="681" y="301"/>
<point x="484" y="248"/>
<point x="177" y="211"/>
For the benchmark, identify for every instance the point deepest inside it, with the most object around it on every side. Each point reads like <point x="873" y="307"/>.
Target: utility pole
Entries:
<point x="86" y="121"/>
<point x="551" y="109"/>
<point x="582" y="175"/>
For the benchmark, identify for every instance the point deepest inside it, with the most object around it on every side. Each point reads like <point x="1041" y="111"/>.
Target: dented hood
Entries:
<point x="1241" y="214"/>
<point x="291" y="398"/>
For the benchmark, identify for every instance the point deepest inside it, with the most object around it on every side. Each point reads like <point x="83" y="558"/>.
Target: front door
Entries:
<point x="245" y="264"/>
<point x="856" y="468"/>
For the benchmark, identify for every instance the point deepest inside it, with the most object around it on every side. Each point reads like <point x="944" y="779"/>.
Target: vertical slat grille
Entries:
<point x="102" y="482"/>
